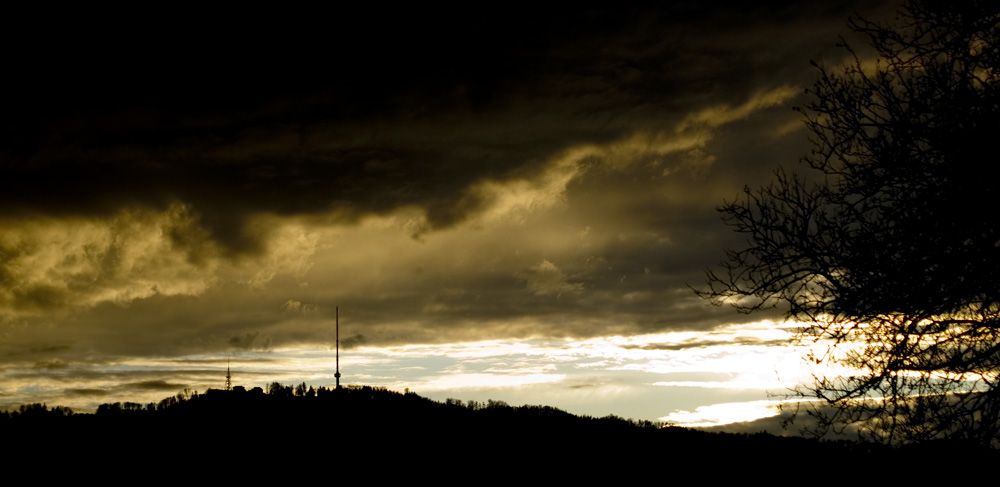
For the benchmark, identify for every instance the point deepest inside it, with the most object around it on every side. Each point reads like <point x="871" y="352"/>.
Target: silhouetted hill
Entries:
<point x="253" y="435"/>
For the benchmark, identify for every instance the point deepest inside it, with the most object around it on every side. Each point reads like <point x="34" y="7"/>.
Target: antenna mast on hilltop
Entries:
<point x="229" y="378"/>
<point x="337" y="375"/>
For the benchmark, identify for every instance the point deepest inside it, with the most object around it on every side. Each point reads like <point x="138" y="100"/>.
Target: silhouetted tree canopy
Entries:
<point x="888" y="245"/>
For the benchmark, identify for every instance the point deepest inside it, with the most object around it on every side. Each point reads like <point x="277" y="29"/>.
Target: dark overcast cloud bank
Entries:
<point x="361" y="110"/>
<point x="189" y="186"/>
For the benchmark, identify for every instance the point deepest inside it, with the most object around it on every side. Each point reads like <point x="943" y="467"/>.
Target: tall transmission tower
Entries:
<point x="229" y="377"/>
<point x="337" y="375"/>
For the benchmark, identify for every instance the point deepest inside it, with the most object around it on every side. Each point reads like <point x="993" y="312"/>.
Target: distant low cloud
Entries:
<point x="250" y="341"/>
<point x="707" y="342"/>
<point x="51" y="365"/>
<point x="294" y="307"/>
<point x="156" y="385"/>
<point x="546" y="279"/>
<point x="88" y="392"/>
<point x="353" y="341"/>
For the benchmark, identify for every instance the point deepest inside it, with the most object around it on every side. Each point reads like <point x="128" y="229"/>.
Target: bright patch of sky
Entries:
<point x="685" y="378"/>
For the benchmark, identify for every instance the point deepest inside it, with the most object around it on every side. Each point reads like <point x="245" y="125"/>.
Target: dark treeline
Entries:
<point x="244" y="431"/>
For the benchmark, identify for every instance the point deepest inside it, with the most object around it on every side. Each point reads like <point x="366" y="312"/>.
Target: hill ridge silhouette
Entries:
<point x="371" y="428"/>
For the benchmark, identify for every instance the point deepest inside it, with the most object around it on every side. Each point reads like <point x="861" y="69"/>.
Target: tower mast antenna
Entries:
<point x="229" y="378"/>
<point x="337" y="375"/>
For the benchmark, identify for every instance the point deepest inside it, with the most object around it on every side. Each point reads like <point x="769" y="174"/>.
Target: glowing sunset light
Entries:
<point x="497" y="216"/>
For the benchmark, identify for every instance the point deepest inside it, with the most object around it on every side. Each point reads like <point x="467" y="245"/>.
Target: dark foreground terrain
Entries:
<point x="283" y="435"/>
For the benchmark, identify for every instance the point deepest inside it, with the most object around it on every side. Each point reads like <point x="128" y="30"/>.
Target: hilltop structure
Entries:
<point x="337" y="315"/>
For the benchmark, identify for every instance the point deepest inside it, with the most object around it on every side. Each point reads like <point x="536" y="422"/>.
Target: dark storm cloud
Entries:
<point x="149" y="385"/>
<point x="51" y="365"/>
<point x="204" y="188"/>
<point x="362" y="112"/>
<point x="88" y="392"/>
<point x="707" y="343"/>
<point x="353" y="341"/>
<point x="156" y="385"/>
<point x="250" y="341"/>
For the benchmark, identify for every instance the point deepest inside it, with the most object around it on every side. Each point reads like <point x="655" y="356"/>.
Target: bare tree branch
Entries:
<point x="889" y="246"/>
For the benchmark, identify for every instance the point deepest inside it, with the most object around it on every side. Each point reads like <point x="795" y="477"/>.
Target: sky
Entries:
<point x="502" y="203"/>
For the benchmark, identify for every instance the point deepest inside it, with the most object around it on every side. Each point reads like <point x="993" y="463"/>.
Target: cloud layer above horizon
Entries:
<point x="513" y="175"/>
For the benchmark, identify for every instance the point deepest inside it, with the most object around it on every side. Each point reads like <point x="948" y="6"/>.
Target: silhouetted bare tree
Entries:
<point x="889" y="248"/>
